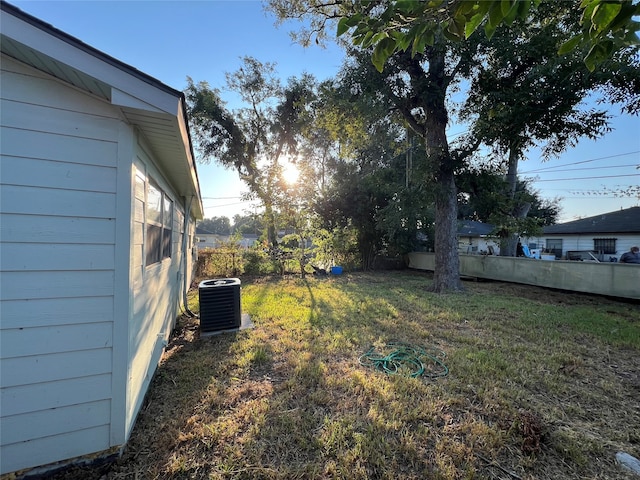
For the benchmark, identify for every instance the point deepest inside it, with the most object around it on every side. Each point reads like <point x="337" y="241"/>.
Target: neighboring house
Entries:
<point x="476" y="238"/>
<point x="248" y="240"/>
<point x="608" y="235"/>
<point x="209" y="240"/>
<point x="214" y="240"/>
<point x="99" y="197"/>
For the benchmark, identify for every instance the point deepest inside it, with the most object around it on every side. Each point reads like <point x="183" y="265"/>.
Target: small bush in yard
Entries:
<point x="256" y="261"/>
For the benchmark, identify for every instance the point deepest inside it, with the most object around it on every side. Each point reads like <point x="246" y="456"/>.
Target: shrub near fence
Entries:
<point x="219" y="263"/>
<point x="226" y="262"/>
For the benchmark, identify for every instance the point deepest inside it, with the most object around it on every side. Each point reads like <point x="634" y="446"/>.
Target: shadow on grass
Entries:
<point x="288" y="399"/>
<point x="191" y="367"/>
<point x="184" y="375"/>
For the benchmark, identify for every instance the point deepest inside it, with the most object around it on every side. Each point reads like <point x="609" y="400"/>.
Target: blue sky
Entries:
<point x="171" y="40"/>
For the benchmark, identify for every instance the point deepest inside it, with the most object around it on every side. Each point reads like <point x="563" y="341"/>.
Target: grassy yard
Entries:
<point x="541" y="385"/>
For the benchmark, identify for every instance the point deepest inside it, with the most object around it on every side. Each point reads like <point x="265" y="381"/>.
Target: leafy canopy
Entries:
<point x="393" y="26"/>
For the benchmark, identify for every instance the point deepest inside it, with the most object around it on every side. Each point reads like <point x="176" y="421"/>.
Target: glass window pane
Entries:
<point x="139" y="185"/>
<point x="604" y="245"/>
<point x="166" y="243"/>
<point x="154" y="244"/>
<point x="554" y="245"/>
<point x="168" y="213"/>
<point x="154" y="204"/>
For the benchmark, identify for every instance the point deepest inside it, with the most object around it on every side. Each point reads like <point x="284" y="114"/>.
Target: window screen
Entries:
<point x="605" y="245"/>
<point x="159" y="224"/>
<point x="554" y="245"/>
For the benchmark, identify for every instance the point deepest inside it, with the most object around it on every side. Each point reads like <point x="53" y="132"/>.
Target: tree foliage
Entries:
<point x="373" y="191"/>
<point x="482" y="197"/>
<point x="248" y="224"/>
<point x="605" y="26"/>
<point x="411" y="93"/>
<point x="523" y="94"/>
<point x="255" y="138"/>
<point x="217" y="225"/>
<point x="423" y="50"/>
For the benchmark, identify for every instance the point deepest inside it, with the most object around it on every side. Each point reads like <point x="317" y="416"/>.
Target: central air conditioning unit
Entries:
<point x="219" y="305"/>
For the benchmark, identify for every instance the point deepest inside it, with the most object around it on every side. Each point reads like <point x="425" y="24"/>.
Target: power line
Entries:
<point x="571" y="190"/>
<point x="579" y="163"/>
<point x="594" y="196"/>
<point x="586" y="178"/>
<point x="457" y="133"/>
<point x="587" y="168"/>
<point x="226" y="205"/>
<point x="220" y="198"/>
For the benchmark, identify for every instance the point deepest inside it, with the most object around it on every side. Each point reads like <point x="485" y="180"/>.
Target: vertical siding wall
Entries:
<point x="57" y="233"/>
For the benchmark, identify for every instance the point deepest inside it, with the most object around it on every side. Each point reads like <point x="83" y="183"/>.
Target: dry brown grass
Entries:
<point x="542" y="385"/>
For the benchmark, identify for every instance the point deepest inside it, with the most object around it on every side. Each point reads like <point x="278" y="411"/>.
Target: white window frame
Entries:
<point x="158" y="230"/>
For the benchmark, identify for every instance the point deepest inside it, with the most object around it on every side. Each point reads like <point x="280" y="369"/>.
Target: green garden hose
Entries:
<point x="410" y="360"/>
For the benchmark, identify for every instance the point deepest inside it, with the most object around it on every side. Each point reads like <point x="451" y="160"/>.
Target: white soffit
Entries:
<point x="48" y="65"/>
<point x="154" y="107"/>
<point x="123" y="99"/>
<point x="66" y="55"/>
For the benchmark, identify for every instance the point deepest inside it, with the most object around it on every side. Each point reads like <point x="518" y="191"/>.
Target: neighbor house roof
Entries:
<point x="472" y="228"/>
<point x="204" y="231"/>
<point x="156" y="109"/>
<point x="620" y="221"/>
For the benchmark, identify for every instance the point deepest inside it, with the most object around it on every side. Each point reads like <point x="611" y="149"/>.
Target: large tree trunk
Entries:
<point x="512" y="172"/>
<point x="270" y="224"/>
<point x="367" y="254"/>
<point x="429" y="93"/>
<point x="447" y="262"/>
<point x="509" y="244"/>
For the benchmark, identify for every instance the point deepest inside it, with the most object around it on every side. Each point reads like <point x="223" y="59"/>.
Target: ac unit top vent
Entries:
<point x="219" y="282"/>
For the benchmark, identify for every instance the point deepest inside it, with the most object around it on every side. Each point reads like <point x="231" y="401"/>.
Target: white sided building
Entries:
<point x="608" y="236"/>
<point x="99" y="196"/>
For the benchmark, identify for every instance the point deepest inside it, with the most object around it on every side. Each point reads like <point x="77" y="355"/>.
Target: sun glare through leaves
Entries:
<point x="290" y="172"/>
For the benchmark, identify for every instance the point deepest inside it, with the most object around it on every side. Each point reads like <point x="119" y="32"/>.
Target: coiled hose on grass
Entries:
<point x="405" y="359"/>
